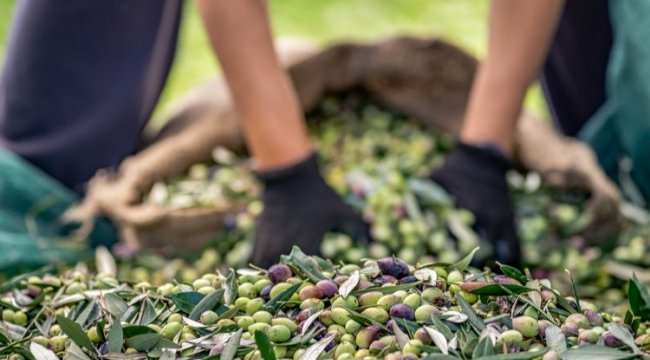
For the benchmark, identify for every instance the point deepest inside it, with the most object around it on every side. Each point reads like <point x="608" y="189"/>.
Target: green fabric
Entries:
<point x="31" y="233"/>
<point x="620" y="131"/>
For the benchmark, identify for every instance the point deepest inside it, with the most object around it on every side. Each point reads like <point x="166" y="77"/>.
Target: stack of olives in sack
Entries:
<point x="378" y="161"/>
<point x="310" y="308"/>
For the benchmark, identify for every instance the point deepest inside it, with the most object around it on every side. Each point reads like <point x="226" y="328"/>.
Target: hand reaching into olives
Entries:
<point x="475" y="177"/>
<point x="299" y="208"/>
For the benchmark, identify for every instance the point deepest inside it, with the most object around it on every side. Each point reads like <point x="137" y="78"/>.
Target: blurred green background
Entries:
<point x="463" y="22"/>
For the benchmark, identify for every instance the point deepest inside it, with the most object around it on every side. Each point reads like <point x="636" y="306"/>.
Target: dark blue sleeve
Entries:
<point x="81" y="79"/>
<point x="573" y="78"/>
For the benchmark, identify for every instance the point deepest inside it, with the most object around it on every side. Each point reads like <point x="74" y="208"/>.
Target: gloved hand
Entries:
<point x="299" y="208"/>
<point x="475" y="177"/>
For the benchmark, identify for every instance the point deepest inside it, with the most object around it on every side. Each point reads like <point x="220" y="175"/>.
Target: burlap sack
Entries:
<point x="427" y="79"/>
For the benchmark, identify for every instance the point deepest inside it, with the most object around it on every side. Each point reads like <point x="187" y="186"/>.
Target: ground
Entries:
<point x="326" y="21"/>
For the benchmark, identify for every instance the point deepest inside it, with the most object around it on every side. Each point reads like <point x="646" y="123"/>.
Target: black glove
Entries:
<point x="299" y="208"/>
<point x="475" y="177"/>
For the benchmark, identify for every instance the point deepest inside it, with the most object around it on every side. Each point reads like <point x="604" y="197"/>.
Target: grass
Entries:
<point x="463" y="22"/>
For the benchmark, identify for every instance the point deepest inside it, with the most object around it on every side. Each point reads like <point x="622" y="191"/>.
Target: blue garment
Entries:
<point x="81" y="79"/>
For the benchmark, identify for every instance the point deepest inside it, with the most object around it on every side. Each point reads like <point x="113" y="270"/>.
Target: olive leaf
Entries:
<point x="349" y="284"/>
<point x="115" y="305"/>
<point x="575" y="290"/>
<point x="74" y="352"/>
<point x="230" y="287"/>
<point x="314" y="351"/>
<point x="639" y="298"/>
<point x="304" y="264"/>
<point x="463" y="264"/>
<point x="230" y="350"/>
<point x="105" y="262"/>
<point x="516" y="356"/>
<point x="75" y="333"/>
<point x="442" y="327"/>
<point x="476" y="322"/>
<point x="429" y="192"/>
<point x="555" y="339"/>
<point x="229" y="314"/>
<point x="264" y="345"/>
<point x="275" y="303"/>
<point x="624" y="335"/>
<point x="513" y="272"/>
<point x="485" y="347"/>
<point x="41" y="352"/>
<point x="591" y="352"/>
<point x="133" y="330"/>
<point x="438" y="339"/>
<point x="193" y="324"/>
<point x="186" y="301"/>
<point x="4" y="339"/>
<point x="400" y="336"/>
<point x="166" y="344"/>
<point x="207" y="303"/>
<point x="410" y="326"/>
<point x="498" y="289"/>
<point x="440" y="357"/>
<point x="309" y="321"/>
<point x="386" y="289"/>
<point x="144" y="342"/>
<point x="454" y="316"/>
<point x="148" y="312"/>
<point x="115" y="338"/>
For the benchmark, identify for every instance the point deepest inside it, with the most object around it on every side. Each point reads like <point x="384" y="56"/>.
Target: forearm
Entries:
<point x="520" y="34"/>
<point x="272" y="119"/>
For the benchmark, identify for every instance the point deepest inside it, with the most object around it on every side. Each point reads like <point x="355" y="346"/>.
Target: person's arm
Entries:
<point x="520" y="34"/>
<point x="272" y="119"/>
<point x="299" y="207"/>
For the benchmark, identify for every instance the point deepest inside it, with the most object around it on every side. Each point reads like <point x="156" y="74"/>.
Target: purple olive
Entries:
<point x="408" y="279"/>
<point x="594" y="318"/>
<point x="279" y="273"/>
<point x="304" y="314"/>
<point x="103" y="349"/>
<point x="328" y="288"/>
<point x="543" y="325"/>
<point x="330" y="345"/>
<point x="402" y="311"/>
<point x="610" y="340"/>
<point x="569" y="329"/>
<point x="340" y="279"/>
<point x="393" y="267"/>
<point x="385" y="279"/>
<point x="377" y="346"/>
<point x="364" y="284"/>
<point x="217" y="349"/>
<point x="266" y="292"/>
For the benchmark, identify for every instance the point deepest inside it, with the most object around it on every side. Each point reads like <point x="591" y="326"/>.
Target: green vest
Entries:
<point x="620" y="131"/>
